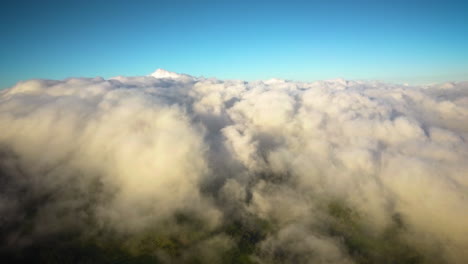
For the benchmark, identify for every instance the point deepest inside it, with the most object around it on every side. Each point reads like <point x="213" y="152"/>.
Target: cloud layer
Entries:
<point x="178" y="168"/>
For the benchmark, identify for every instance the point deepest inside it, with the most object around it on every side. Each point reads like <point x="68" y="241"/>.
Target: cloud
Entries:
<point x="274" y="171"/>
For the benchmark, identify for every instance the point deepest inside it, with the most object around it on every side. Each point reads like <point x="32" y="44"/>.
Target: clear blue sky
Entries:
<point x="397" y="41"/>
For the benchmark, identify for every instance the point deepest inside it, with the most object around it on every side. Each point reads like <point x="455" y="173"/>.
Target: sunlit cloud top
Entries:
<point x="277" y="171"/>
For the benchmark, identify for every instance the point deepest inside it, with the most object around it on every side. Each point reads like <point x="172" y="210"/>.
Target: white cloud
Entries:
<point x="130" y="152"/>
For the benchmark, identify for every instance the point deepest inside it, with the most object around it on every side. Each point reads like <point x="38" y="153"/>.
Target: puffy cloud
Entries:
<point x="274" y="171"/>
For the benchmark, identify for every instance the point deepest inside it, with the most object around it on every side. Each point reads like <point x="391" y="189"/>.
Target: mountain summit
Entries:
<point x="164" y="74"/>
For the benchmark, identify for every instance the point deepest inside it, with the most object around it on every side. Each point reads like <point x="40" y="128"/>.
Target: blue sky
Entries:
<point x="396" y="41"/>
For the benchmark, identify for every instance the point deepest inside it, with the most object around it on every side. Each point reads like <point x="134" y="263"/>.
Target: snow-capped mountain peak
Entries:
<point x="161" y="73"/>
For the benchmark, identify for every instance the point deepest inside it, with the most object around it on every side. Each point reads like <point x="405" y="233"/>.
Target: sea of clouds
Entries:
<point x="264" y="172"/>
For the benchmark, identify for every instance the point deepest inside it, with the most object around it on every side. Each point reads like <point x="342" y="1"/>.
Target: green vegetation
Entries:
<point x="185" y="238"/>
<point x="246" y="236"/>
<point x="365" y="247"/>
